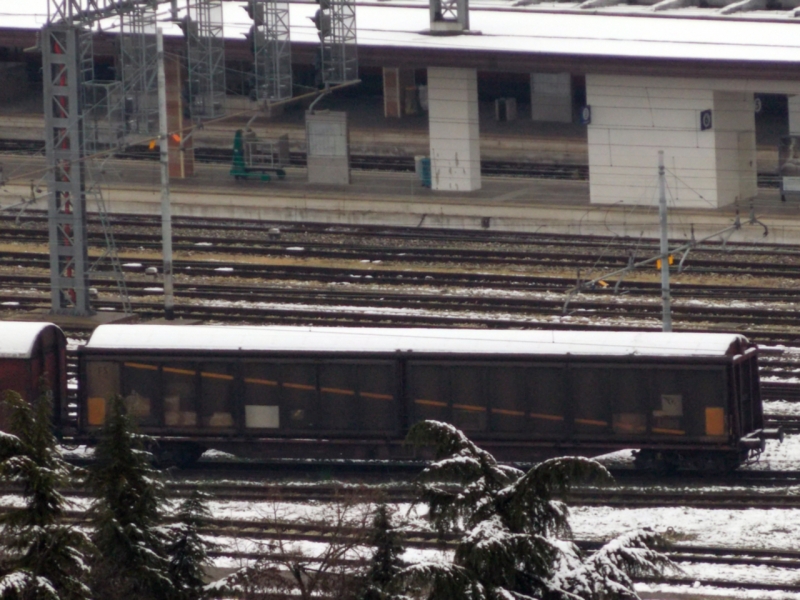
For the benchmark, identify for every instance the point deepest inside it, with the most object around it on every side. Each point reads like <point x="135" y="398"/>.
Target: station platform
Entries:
<point x="397" y="199"/>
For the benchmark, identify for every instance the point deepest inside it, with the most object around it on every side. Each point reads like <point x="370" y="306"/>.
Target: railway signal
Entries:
<point x="335" y="21"/>
<point x="268" y="39"/>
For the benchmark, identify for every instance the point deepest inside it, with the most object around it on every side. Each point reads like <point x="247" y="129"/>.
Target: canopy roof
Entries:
<point x="731" y="31"/>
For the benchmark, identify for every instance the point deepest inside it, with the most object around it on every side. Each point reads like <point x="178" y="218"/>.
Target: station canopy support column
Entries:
<point x="794" y="114"/>
<point x="454" y="133"/>
<point x="706" y="128"/>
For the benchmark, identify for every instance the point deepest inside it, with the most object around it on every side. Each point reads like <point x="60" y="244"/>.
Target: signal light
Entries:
<point x="188" y="27"/>
<point x="255" y="38"/>
<point x="255" y="10"/>
<point x="322" y="21"/>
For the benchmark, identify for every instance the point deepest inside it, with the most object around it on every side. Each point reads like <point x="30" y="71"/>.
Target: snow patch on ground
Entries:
<point x="781" y="408"/>
<point x="765" y="529"/>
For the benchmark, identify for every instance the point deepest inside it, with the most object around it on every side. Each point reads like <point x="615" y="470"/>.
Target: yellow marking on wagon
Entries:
<point x="179" y="371"/>
<point x="546" y="417"/>
<point x="469" y="407"/>
<point x="338" y="391"/>
<point x="510" y="413"/>
<point x="260" y="381"/>
<point x="216" y="376"/>
<point x="430" y="403"/>
<point x="299" y="386"/>
<point x="668" y="431"/>
<point x="134" y="365"/>
<point x="592" y="422"/>
<point x="376" y="396"/>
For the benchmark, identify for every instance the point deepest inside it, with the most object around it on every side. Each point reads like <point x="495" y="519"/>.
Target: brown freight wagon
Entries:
<point x="684" y="400"/>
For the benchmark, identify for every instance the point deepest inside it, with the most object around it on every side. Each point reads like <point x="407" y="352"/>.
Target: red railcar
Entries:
<point x="30" y="352"/>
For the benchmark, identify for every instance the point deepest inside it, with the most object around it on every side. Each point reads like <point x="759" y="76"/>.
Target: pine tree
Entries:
<point x="132" y="560"/>
<point x="187" y="550"/>
<point x="386" y="560"/>
<point x="42" y="558"/>
<point x="511" y="529"/>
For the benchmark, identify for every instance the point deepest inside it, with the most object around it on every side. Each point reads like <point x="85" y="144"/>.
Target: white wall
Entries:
<point x="631" y="121"/>
<point x="454" y="134"/>
<point x="635" y="117"/>
<point x="735" y="138"/>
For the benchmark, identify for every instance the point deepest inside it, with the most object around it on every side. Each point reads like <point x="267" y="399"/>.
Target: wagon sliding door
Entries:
<point x="322" y="396"/>
<point x="610" y="399"/>
<point x="449" y="392"/>
<point x="514" y="400"/>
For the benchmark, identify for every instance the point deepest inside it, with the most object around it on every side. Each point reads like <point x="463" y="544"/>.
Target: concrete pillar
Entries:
<point x="735" y="146"/>
<point x="551" y="97"/>
<point x="181" y="163"/>
<point x="708" y="166"/>
<point x="396" y="84"/>
<point x="794" y="115"/>
<point x="454" y="134"/>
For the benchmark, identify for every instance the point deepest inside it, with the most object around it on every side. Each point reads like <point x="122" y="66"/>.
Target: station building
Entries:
<point x="678" y="76"/>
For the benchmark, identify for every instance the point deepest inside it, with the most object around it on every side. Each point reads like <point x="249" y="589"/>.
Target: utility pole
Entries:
<point x="166" y="213"/>
<point x="666" y="318"/>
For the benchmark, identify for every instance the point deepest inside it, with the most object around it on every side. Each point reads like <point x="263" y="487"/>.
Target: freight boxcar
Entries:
<point x="684" y="399"/>
<point x="32" y="354"/>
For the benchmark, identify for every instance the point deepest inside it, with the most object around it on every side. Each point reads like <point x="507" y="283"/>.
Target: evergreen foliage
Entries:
<point x="386" y="560"/>
<point x="511" y="529"/>
<point x="187" y="550"/>
<point x="41" y="558"/>
<point x="132" y="560"/>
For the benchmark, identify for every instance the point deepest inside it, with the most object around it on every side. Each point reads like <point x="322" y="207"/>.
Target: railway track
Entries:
<point x="630" y="494"/>
<point x="221" y="229"/>
<point x="367" y="162"/>
<point x="530" y="306"/>
<point x="442" y="313"/>
<point x="739" y="262"/>
<point x="259" y="533"/>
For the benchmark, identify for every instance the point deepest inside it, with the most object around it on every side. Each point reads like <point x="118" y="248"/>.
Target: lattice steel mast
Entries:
<point x="66" y="205"/>
<point x="83" y="117"/>
<point x="205" y="54"/>
<point x="337" y="32"/>
<point x="272" y="53"/>
<point x="138" y="66"/>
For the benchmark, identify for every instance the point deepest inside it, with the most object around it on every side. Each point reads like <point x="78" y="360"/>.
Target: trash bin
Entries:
<point x="422" y="167"/>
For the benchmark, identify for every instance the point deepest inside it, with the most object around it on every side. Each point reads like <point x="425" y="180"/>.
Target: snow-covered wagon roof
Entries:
<point x="18" y="338"/>
<point x="421" y="341"/>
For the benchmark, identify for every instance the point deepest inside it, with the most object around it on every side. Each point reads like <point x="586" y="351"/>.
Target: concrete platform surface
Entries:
<point x="503" y="204"/>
